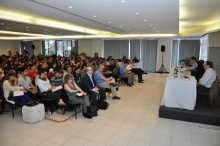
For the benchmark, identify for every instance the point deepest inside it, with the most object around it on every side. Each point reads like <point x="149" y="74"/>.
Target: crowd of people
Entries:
<point x="38" y="78"/>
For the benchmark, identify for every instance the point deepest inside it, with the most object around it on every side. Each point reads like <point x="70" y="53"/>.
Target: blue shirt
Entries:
<point x="122" y="69"/>
<point x="97" y="76"/>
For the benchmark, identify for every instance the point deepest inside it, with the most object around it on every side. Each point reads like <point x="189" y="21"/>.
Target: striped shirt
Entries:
<point x="56" y="81"/>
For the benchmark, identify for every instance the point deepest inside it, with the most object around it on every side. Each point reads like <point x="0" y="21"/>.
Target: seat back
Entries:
<point x="213" y="93"/>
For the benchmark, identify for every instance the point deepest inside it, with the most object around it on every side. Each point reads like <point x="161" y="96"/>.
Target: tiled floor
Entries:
<point x="131" y="121"/>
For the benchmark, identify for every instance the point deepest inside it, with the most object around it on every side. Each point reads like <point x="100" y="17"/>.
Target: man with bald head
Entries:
<point x="103" y="82"/>
<point x="89" y="86"/>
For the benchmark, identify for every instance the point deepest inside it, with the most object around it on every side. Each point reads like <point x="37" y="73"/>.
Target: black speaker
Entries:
<point x="162" y="48"/>
<point x="33" y="47"/>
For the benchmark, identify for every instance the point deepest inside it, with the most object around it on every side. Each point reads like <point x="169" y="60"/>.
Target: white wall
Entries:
<point x="90" y="46"/>
<point x="12" y="46"/>
<point x="214" y="39"/>
<point x="167" y="42"/>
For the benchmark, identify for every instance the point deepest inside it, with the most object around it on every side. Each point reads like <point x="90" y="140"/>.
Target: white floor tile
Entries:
<point x="85" y="133"/>
<point x="181" y="142"/>
<point x="102" y="137"/>
<point x="138" y="143"/>
<point x="75" y="141"/>
<point x="59" y="138"/>
<point x="94" y="143"/>
<point x="47" y="143"/>
<point x="161" y="139"/>
<point x="119" y="141"/>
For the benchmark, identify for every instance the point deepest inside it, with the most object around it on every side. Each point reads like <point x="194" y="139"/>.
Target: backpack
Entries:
<point x="102" y="104"/>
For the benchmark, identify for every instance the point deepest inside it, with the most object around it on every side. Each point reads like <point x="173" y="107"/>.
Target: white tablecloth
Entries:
<point x="179" y="92"/>
<point x="33" y="114"/>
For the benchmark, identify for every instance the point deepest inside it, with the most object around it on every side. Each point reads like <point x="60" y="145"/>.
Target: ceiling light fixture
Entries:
<point x="70" y="7"/>
<point x="2" y="23"/>
<point x="109" y="22"/>
<point x="28" y="30"/>
<point x="150" y="25"/>
<point x="26" y="27"/>
<point x="154" y="28"/>
<point x="128" y="29"/>
<point x="94" y="16"/>
<point x="7" y="28"/>
<point x="137" y="13"/>
<point x="120" y="26"/>
<point x="145" y="20"/>
<point x="123" y="1"/>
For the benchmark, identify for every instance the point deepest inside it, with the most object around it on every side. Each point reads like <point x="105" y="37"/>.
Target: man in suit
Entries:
<point x="89" y="86"/>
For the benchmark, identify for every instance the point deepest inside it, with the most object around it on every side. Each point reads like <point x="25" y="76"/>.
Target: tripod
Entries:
<point x="162" y="68"/>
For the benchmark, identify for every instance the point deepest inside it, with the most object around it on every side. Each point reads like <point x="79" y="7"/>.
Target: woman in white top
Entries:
<point x="11" y="85"/>
<point x="44" y="85"/>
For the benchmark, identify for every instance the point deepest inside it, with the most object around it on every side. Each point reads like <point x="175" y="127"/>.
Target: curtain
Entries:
<point x="149" y="55"/>
<point x="189" y="48"/>
<point x="174" y="55"/>
<point x="135" y="49"/>
<point x="116" y="48"/>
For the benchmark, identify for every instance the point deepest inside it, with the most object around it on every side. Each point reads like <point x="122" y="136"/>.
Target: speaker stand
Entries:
<point x="162" y="68"/>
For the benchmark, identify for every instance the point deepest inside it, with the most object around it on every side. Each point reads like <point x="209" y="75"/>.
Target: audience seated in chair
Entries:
<point x="89" y="86"/>
<point x="11" y="85"/>
<point x="136" y="71"/>
<point x="103" y="82"/>
<point x="44" y="85"/>
<point x="26" y="82"/>
<point x="127" y="74"/>
<point x="72" y="89"/>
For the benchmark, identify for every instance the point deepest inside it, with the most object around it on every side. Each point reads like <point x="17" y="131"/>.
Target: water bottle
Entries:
<point x="48" y="113"/>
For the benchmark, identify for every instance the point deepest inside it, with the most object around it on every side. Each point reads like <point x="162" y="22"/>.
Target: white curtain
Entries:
<point x="149" y="55"/>
<point x="189" y="48"/>
<point x="135" y="49"/>
<point x="175" y="46"/>
<point x="116" y="48"/>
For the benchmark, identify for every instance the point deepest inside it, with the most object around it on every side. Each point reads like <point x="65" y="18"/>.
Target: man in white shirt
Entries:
<point x="205" y="83"/>
<point x="136" y="71"/>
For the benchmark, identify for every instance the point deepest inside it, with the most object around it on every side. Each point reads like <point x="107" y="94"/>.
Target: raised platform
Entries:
<point x="202" y="113"/>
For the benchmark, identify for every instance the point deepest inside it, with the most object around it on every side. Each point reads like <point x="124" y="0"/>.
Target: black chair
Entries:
<point x="48" y="102"/>
<point x="212" y="96"/>
<point x="11" y="104"/>
<point x="69" y="103"/>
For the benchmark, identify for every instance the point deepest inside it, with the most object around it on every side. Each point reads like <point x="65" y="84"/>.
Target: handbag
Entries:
<point x="32" y="103"/>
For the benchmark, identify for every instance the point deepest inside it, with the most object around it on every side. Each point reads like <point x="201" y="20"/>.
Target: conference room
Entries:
<point x="109" y="73"/>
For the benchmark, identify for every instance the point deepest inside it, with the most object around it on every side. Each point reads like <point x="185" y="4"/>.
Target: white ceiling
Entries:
<point x="189" y="17"/>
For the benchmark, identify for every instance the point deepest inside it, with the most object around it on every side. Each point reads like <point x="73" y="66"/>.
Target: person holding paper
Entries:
<point x="44" y="85"/>
<point x="72" y="90"/>
<point x="89" y="86"/>
<point x="10" y="86"/>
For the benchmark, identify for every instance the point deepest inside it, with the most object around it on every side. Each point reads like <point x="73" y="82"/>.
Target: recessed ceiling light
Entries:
<point x="123" y="1"/>
<point x="7" y="28"/>
<point x="120" y="26"/>
<point x="94" y="16"/>
<point x="27" y="27"/>
<point x="157" y="31"/>
<point x="109" y="22"/>
<point x="56" y="34"/>
<point x="136" y="13"/>
<point x="45" y="29"/>
<point x="154" y="28"/>
<point x="150" y="25"/>
<point x="70" y="7"/>
<point x="2" y="23"/>
<point x="28" y="30"/>
<point x="128" y="29"/>
<point x="60" y="31"/>
<point x="145" y="20"/>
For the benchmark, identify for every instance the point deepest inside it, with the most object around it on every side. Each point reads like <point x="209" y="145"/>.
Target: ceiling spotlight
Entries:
<point x="157" y="31"/>
<point x="145" y="20"/>
<point x="28" y="30"/>
<point x="45" y="29"/>
<point x="109" y="22"/>
<point x="7" y="28"/>
<point x="137" y="13"/>
<point x="26" y="27"/>
<point x="128" y="29"/>
<point x="2" y="23"/>
<point x="60" y="31"/>
<point x="123" y="1"/>
<point x="150" y="25"/>
<point x="94" y="16"/>
<point x="154" y="28"/>
<point x="70" y="7"/>
<point x="120" y="26"/>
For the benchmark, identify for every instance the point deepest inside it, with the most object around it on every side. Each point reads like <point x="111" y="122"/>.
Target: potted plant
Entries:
<point x="185" y="61"/>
